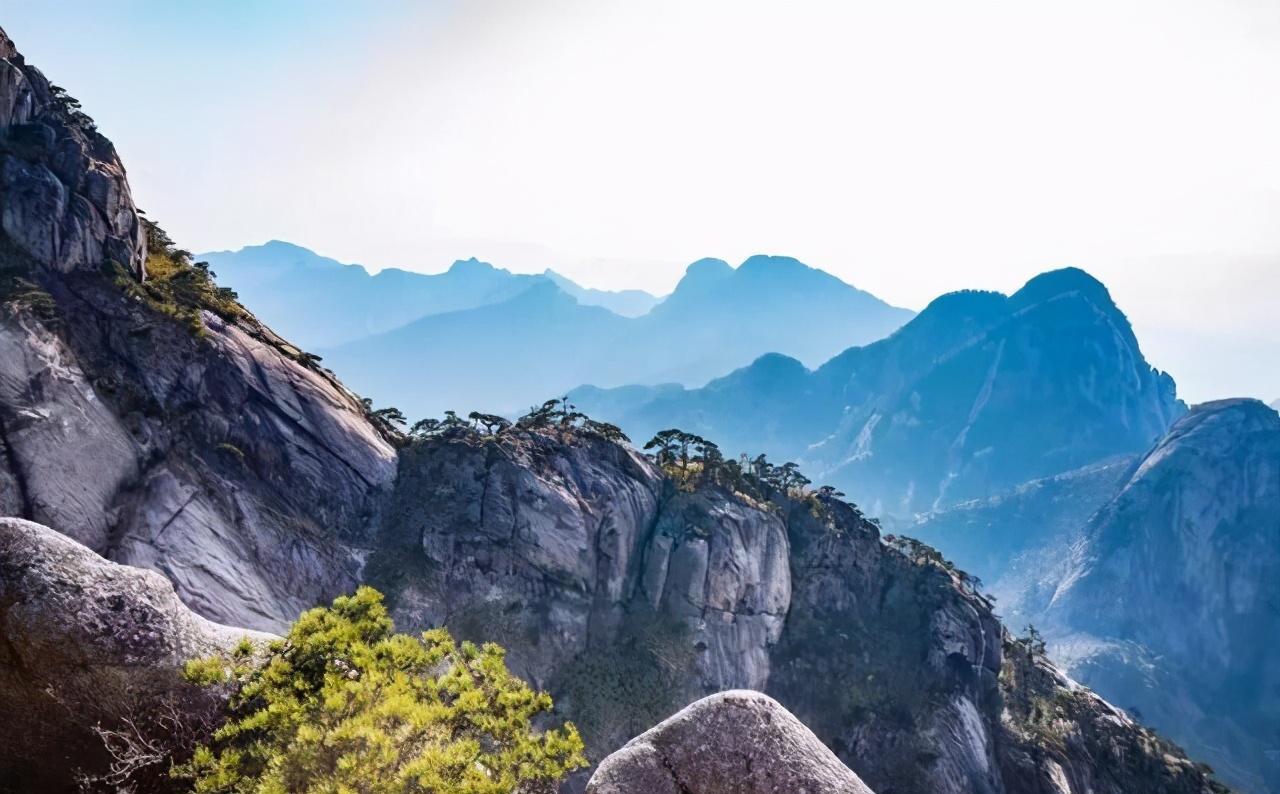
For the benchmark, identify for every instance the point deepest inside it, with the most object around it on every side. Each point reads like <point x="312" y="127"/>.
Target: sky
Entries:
<point x="911" y="148"/>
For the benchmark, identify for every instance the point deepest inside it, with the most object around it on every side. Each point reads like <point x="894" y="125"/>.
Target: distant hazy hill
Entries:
<point x="978" y="393"/>
<point x="479" y="337"/>
<point x="627" y="302"/>
<point x="320" y="302"/>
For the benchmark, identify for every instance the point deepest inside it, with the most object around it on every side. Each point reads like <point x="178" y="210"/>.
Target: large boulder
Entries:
<point x="83" y="641"/>
<point x="735" y="742"/>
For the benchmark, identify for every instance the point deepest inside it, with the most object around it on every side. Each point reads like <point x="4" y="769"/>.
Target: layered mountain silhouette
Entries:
<point x="978" y="393"/>
<point x="482" y="337"/>
<point x="504" y="356"/>
<point x="320" y="302"/>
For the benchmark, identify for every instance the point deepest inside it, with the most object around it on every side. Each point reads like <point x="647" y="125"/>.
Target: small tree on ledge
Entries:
<point x="343" y="703"/>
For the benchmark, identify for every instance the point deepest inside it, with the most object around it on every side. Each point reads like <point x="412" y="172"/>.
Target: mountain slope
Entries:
<point x="144" y="413"/>
<point x="979" y="393"/>
<point x="1190" y="546"/>
<point x="627" y="302"/>
<point x="1019" y="542"/>
<point x="507" y="351"/>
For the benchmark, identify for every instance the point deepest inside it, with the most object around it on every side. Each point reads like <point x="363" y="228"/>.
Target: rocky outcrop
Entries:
<point x="65" y="199"/>
<point x="1190" y="545"/>
<point x="629" y="596"/>
<point x="737" y="742"/>
<point x="248" y="479"/>
<point x="82" y="641"/>
<point x="217" y="455"/>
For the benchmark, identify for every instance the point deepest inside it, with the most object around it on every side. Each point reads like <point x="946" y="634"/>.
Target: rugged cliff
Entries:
<point x="629" y="593"/>
<point x="1190" y="546"/>
<point x="153" y="420"/>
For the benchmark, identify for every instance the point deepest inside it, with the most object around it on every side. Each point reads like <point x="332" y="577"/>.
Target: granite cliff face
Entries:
<point x="629" y="595"/>
<point x="1190" y="545"/>
<point x="66" y="200"/>
<point x="146" y="415"/>
<point x="216" y="457"/>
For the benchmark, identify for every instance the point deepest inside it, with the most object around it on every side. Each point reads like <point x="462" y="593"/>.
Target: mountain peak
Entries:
<point x="472" y="265"/>
<point x="766" y="263"/>
<point x="705" y="271"/>
<point x="1063" y="281"/>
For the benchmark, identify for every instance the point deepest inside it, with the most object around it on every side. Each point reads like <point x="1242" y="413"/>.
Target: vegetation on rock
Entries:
<point x="343" y="703"/>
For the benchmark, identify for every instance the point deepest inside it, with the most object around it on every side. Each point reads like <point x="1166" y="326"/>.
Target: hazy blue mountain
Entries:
<point x="319" y="302"/>
<point x="505" y="356"/>
<point x="1171" y="602"/>
<point x="977" y="394"/>
<point x="1019" y="542"/>
<point x="627" y="302"/>
<point x="499" y="358"/>
<point x="769" y="304"/>
<point x="1275" y="405"/>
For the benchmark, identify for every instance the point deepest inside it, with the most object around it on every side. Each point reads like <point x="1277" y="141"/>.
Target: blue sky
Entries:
<point x="911" y="148"/>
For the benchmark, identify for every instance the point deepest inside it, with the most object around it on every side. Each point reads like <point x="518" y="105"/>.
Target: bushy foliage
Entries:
<point x="345" y="704"/>
<point x="177" y="286"/>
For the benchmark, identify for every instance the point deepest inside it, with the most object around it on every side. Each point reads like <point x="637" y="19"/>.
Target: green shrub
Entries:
<point x="343" y="703"/>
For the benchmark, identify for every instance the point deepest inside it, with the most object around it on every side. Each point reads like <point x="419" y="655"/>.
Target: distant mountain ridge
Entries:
<point x="322" y="302"/>
<point x="978" y="393"/>
<point x="482" y="337"/>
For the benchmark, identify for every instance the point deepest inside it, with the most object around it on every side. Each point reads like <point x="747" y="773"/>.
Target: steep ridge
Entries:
<point x="629" y="594"/>
<point x="156" y="421"/>
<point x="979" y="393"/>
<point x="146" y="413"/>
<point x="1190" y="545"/>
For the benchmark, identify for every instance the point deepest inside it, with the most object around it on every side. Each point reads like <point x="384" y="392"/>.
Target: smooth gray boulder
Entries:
<point x="83" y="641"/>
<point x="735" y="742"/>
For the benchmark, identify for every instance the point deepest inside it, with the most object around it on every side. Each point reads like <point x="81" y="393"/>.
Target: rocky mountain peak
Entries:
<point x="1063" y="281"/>
<point x="66" y="201"/>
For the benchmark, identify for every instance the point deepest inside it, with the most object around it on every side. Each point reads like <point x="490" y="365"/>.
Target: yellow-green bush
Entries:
<point x="345" y="704"/>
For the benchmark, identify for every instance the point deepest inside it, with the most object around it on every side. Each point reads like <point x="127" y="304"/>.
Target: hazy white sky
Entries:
<point x="909" y="147"/>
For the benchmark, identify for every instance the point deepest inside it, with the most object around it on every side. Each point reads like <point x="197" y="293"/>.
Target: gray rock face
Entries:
<point x="81" y="637"/>
<point x="1190" y="545"/>
<point x="737" y="742"/>
<point x="64" y="199"/>
<point x="628" y="597"/>
<point x="249" y="480"/>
